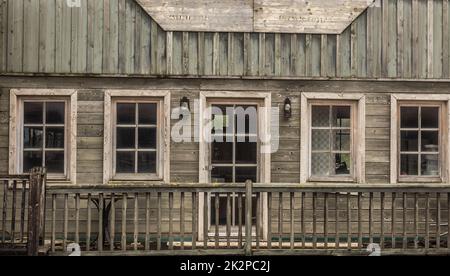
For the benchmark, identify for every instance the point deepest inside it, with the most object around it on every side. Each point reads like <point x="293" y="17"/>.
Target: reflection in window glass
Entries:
<point x="419" y="141"/>
<point x="331" y="139"/>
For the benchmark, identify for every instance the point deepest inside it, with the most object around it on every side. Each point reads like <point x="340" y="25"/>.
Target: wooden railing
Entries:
<point x="23" y="212"/>
<point x="286" y="219"/>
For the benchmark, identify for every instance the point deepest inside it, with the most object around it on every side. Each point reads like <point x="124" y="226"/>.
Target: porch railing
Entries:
<point x="23" y="212"/>
<point x="190" y="219"/>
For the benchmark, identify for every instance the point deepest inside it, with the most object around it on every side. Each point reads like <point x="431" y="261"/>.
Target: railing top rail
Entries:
<point x="15" y="177"/>
<point x="240" y="187"/>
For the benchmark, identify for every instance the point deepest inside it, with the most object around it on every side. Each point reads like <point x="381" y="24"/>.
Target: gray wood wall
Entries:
<point x="406" y="39"/>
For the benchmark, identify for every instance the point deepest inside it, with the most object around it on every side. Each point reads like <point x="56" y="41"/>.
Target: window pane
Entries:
<point x="429" y="164"/>
<point x="222" y="152"/>
<point x="342" y="164"/>
<point x="246" y="152"/>
<point x="147" y="114"/>
<point x="55" y="113"/>
<point x="430" y="117"/>
<point x="409" y="164"/>
<point x="320" y="139"/>
<point x="125" y="162"/>
<point x="147" y="138"/>
<point x="126" y="113"/>
<point x="32" y="137"/>
<point x="54" y="137"/>
<point x="409" y="117"/>
<point x="244" y="174"/>
<point x="341" y="116"/>
<point x="125" y="138"/>
<point x="147" y="162"/>
<point x="409" y="141"/>
<point x="221" y="120"/>
<point x="320" y="116"/>
<point x="31" y="159"/>
<point x="430" y="141"/>
<point x="320" y="164"/>
<point x="246" y="119"/>
<point x="33" y="112"/>
<point x="54" y="162"/>
<point x="341" y="140"/>
<point x="222" y="175"/>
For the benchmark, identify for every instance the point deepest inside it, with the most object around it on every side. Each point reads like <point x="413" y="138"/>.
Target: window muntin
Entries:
<point x="234" y="158"/>
<point x="136" y="148"/>
<point x="420" y="142"/>
<point x="43" y="131"/>
<point x="331" y="136"/>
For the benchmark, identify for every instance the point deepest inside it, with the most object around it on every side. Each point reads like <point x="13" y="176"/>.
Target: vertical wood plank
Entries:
<point x="400" y="37"/>
<point x="94" y="62"/>
<point x="79" y="38"/>
<point x="123" y="33"/>
<point x="277" y="54"/>
<point x="169" y="52"/>
<point x="215" y="59"/>
<point x="3" y="35"/>
<point x="185" y="61"/>
<point x="31" y="36"/>
<point x="430" y="37"/>
<point x="201" y="54"/>
<point x="63" y="37"/>
<point x="262" y="54"/>
<point x="445" y="39"/>
<point x="15" y="35"/>
<point x="385" y="38"/>
<point x="124" y="221"/>
<point x="47" y="27"/>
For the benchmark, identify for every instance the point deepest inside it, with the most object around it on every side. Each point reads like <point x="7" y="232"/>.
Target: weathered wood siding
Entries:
<point x="406" y="39"/>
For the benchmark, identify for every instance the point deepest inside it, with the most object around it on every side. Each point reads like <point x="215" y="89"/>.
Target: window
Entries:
<point x="419" y="141"/>
<point x="43" y="132"/>
<point x="332" y="147"/>
<point x="44" y="136"/>
<point x="331" y="141"/>
<point x="136" y="138"/>
<point x="138" y="145"/>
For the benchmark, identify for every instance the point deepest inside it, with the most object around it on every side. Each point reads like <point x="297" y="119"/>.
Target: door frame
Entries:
<point x="264" y="130"/>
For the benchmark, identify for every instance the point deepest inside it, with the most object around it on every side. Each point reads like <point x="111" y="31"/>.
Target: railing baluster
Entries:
<point x="280" y="220"/>
<point x="147" y="221"/>
<point x="336" y="214"/>
<point x="371" y="218"/>
<point x="314" y="207"/>
<point x="427" y="221"/>
<point x="66" y="220"/>
<point x="53" y="222"/>
<point x="112" y="230"/>
<point x="170" y="221"/>
<point x="228" y="220"/>
<point x="302" y="218"/>
<point x="101" y="227"/>
<point x="438" y="221"/>
<point x="325" y="220"/>
<point x="88" y="224"/>
<point x="77" y="218"/>
<point x="349" y="223"/>
<point x="5" y="206"/>
<point x="136" y="222"/>
<point x="393" y="218"/>
<point x="405" y="237"/>
<point x="382" y="195"/>
<point x="291" y="212"/>
<point x="448" y="220"/>
<point x="22" y="211"/>
<point x="158" y="222"/>
<point x="240" y="220"/>
<point x="269" y="226"/>
<point x="258" y="220"/>
<point x="13" y="211"/>
<point x="182" y="219"/>
<point x="360" y="234"/>
<point x="194" y="220"/>
<point x="416" y="221"/>
<point x="124" y="222"/>
<point x="207" y="200"/>
<point x="216" y="231"/>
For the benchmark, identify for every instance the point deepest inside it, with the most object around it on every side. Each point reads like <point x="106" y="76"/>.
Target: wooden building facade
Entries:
<point x="77" y="82"/>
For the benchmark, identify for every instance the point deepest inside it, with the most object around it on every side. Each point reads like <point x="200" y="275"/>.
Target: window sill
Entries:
<point x="421" y="180"/>
<point x="331" y="180"/>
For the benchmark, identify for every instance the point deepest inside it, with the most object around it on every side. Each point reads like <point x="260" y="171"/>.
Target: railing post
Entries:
<point x="248" y="217"/>
<point x="36" y="211"/>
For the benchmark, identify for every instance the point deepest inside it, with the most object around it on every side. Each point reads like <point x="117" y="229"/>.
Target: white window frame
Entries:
<point x="17" y="98"/>
<point x="421" y="99"/>
<point x="264" y="129"/>
<point x="162" y="98"/>
<point x="358" y="129"/>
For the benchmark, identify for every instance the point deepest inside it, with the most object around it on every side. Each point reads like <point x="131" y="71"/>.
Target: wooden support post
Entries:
<point x="248" y="217"/>
<point x="36" y="210"/>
